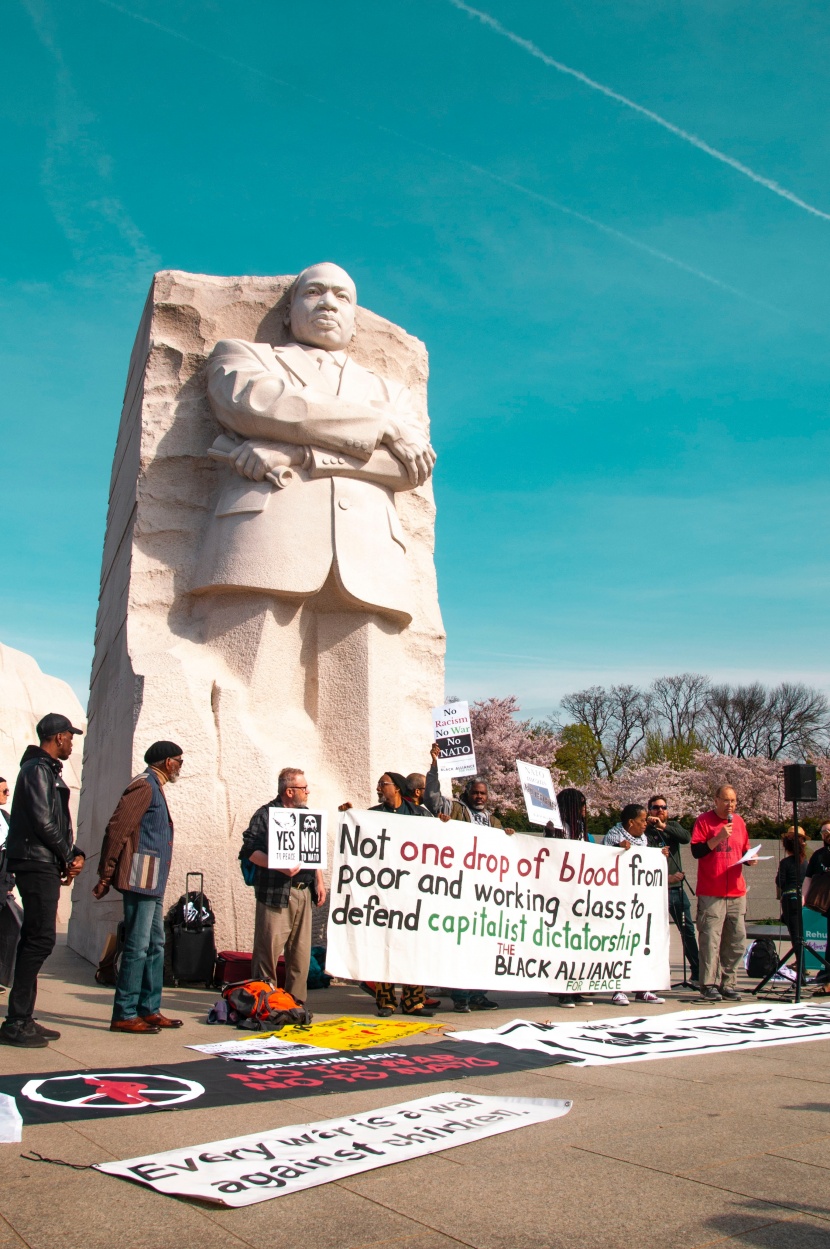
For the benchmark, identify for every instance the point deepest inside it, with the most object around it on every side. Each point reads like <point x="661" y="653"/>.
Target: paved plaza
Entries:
<point x="681" y="1153"/>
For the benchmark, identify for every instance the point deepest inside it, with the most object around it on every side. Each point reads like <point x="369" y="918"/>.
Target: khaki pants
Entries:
<point x="722" y="939"/>
<point x="289" y="931"/>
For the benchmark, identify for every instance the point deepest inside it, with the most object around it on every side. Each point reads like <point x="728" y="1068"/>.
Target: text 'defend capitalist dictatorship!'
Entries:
<point x="426" y="902"/>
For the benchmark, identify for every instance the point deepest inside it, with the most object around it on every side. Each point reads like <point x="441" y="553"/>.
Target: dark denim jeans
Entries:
<point x="39" y="885"/>
<point x="681" y="913"/>
<point x="140" y="976"/>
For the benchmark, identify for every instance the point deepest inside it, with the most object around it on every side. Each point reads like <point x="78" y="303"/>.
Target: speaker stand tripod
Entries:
<point x="797" y="931"/>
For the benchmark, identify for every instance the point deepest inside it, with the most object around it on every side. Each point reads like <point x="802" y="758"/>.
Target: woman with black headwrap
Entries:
<point x="391" y="790"/>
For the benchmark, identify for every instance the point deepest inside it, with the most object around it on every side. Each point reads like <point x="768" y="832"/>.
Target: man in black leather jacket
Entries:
<point x="42" y="855"/>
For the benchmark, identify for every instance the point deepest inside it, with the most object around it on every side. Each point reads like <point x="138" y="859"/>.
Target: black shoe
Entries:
<point x="386" y="1011"/>
<point x="462" y="1008"/>
<point x="730" y="995"/>
<point x="51" y="1034"/>
<point x="483" y="1003"/>
<point x="22" y="1035"/>
<point x="423" y="1012"/>
<point x="710" y="994"/>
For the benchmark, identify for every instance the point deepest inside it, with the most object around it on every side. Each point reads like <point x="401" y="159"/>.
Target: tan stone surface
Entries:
<point x="246" y="683"/>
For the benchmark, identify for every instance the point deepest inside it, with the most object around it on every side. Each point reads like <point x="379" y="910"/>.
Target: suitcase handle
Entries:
<point x="201" y="901"/>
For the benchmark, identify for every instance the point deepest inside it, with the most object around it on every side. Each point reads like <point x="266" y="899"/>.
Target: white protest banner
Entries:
<point x="265" y="1049"/>
<point x="423" y="902"/>
<point x="679" y="1034"/>
<point x="296" y="838"/>
<point x="539" y="794"/>
<point x="246" y="1169"/>
<point x="453" y="732"/>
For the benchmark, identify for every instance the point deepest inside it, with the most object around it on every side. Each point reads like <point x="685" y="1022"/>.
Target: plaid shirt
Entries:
<point x="272" y="888"/>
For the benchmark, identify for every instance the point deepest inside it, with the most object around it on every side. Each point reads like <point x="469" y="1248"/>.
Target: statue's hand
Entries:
<point x="414" y="452"/>
<point x="257" y="459"/>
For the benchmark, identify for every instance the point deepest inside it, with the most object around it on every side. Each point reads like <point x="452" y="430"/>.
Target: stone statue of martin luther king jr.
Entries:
<point x="318" y="446"/>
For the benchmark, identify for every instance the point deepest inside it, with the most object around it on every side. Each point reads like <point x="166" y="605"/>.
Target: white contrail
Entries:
<point x="526" y="44"/>
<point x="480" y="170"/>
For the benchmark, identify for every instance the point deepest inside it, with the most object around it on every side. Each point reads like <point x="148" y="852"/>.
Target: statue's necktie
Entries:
<point x="329" y="369"/>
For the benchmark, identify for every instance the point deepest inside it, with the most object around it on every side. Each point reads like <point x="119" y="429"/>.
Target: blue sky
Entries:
<point x="632" y="452"/>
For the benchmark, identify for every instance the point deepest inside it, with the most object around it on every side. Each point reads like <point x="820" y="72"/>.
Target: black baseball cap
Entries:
<point x="53" y="724"/>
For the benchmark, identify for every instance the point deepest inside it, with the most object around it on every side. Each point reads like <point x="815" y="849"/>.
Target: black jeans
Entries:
<point x="40" y="886"/>
<point x="681" y="913"/>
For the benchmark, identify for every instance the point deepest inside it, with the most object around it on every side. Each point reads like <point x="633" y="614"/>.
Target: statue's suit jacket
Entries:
<point x="338" y="512"/>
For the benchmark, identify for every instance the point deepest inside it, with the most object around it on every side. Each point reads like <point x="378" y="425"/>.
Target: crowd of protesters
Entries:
<point x="40" y="856"/>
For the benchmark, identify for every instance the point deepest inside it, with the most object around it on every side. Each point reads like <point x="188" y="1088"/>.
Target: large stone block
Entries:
<point x="247" y="681"/>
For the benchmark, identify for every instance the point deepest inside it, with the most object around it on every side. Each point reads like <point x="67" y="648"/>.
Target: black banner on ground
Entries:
<point x="61" y="1096"/>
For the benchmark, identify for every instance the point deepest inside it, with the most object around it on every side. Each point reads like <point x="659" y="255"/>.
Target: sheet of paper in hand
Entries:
<point x="539" y="794"/>
<point x="296" y="838"/>
<point x="244" y="1170"/>
<point x="453" y="732"/>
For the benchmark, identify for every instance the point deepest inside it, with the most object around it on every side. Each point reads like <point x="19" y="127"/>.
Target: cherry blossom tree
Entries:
<point x="500" y="738"/>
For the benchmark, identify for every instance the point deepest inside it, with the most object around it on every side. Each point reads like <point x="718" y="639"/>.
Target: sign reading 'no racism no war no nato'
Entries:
<point x="411" y="898"/>
<point x="453" y="732"/>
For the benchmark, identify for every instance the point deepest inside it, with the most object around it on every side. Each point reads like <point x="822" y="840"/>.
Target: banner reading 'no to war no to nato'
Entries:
<point x="424" y="902"/>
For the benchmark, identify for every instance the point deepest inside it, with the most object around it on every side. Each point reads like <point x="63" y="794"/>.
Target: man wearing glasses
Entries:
<point x="666" y="832"/>
<point x="283" y="899"/>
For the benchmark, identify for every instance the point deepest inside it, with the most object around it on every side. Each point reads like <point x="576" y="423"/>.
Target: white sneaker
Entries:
<point x="649" y="997"/>
<point x="619" y="999"/>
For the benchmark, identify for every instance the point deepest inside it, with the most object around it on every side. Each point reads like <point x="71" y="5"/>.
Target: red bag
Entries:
<point x="234" y="966"/>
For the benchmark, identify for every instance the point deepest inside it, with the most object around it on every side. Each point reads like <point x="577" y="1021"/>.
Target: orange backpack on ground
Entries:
<point x="262" y="1007"/>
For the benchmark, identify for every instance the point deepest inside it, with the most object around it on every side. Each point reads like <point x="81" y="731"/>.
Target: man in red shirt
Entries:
<point x="719" y="841"/>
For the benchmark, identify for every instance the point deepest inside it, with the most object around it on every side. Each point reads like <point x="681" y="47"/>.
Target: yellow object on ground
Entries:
<point x="349" y="1033"/>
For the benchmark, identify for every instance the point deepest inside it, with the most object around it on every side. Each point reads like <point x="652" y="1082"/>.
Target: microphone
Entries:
<point x="729" y="825"/>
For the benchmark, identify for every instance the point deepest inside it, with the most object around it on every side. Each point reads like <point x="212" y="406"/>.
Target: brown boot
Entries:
<point x="133" y="1025"/>
<point x="161" y="1021"/>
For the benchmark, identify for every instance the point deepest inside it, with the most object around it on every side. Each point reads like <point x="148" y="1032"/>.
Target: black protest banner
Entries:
<point x="64" y="1096"/>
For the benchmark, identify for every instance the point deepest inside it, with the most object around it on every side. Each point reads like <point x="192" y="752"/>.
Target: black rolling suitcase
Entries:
<point x="193" y="945"/>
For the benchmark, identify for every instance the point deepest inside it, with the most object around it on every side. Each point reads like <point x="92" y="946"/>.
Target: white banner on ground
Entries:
<point x="422" y="902"/>
<point x="246" y="1169"/>
<point x="539" y="794"/>
<point x="296" y="838"/>
<point x="255" y="1050"/>
<point x="11" y="1122"/>
<point x="676" y="1035"/>
<point x="453" y="732"/>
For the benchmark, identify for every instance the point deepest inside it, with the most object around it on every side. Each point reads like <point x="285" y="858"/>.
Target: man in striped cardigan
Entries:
<point x="135" y="860"/>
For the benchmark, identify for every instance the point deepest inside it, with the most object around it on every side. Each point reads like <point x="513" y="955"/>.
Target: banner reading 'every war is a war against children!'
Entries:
<point x="423" y="902"/>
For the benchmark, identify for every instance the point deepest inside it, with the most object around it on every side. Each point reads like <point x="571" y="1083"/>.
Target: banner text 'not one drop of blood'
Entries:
<point x="425" y="902"/>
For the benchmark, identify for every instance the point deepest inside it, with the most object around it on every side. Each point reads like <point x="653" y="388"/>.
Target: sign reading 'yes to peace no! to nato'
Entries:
<point x="296" y="838"/>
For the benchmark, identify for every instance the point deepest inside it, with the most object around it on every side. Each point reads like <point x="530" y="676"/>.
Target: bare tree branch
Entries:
<point x="618" y="718"/>
<point x="680" y="702"/>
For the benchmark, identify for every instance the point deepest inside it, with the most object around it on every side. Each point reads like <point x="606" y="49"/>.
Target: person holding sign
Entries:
<point x="283" y="898"/>
<point x="631" y="831"/>
<point x="719" y="842"/>
<point x="573" y="812"/>
<point x="390" y="790"/>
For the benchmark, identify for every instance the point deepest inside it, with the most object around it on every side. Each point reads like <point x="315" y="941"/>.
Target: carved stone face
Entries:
<point x="323" y="307"/>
